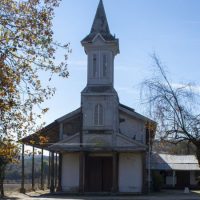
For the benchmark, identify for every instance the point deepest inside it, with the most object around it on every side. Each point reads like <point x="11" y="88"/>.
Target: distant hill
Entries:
<point x="13" y="171"/>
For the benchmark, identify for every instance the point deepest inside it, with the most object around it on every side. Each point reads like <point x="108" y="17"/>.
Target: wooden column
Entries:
<point x="59" y="188"/>
<point x="61" y="131"/>
<point x="144" y="173"/>
<point x="49" y="171"/>
<point x="56" y="171"/>
<point x="81" y="172"/>
<point x="173" y="178"/>
<point x="42" y="170"/>
<point x="22" y="189"/>
<point x="115" y="172"/>
<point x="81" y="159"/>
<point x="33" y="169"/>
<point x="52" y="187"/>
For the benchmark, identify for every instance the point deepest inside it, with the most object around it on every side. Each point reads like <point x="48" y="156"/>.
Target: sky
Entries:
<point x="169" y="28"/>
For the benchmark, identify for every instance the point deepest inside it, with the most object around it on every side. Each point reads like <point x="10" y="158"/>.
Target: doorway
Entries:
<point x="99" y="174"/>
<point x="183" y="179"/>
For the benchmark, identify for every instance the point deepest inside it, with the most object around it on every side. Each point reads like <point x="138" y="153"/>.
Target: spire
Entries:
<point x="100" y="24"/>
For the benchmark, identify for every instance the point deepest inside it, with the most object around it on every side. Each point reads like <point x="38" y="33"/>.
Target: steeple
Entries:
<point x="100" y="26"/>
<point x="101" y="48"/>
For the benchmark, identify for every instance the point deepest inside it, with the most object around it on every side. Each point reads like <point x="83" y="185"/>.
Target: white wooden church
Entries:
<point x="102" y="145"/>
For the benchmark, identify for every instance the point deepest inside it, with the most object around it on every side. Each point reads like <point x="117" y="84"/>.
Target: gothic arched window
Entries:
<point x="98" y="114"/>
<point x="105" y="65"/>
<point x="94" y="62"/>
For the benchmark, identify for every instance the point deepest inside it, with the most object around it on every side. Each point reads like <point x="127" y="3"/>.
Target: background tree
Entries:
<point x="27" y="48"/>
<point x="182" y="148"/>
<point x="9" y="153"/>
<point x="175" y="107"/>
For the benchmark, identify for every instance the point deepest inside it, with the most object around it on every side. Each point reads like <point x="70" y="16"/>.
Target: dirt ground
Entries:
<point x="16" y="186"/>
<point x="164" y="195"/>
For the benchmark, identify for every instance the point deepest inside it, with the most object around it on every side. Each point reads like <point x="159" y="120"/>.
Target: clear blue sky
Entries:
<point x="171" y="28"/>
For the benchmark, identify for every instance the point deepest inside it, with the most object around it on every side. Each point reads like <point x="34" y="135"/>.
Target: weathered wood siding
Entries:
<point x="130" y="172"/>
<point x="70" y="172"/>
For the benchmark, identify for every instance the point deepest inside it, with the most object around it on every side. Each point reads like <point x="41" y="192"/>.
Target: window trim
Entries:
<point x="104" y="65"/>
<point x="98" y="115"/>
<point x="94" y="67"/>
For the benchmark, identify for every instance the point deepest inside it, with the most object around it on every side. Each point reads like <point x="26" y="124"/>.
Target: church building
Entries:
<point x="102" y="145"/>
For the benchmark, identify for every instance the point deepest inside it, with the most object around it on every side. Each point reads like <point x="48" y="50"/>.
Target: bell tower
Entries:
<point x="99" y="100"/>
<point x="101" y="48"/>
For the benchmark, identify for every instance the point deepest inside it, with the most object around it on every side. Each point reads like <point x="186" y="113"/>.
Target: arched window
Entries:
<point x="94" y="62"/>
<point x="98" y="115"/>
<point x="105" y="65"/>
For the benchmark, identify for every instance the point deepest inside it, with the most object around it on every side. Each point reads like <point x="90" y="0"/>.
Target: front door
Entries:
<point x="98" y="176"/>
<point x="182" y="179"/>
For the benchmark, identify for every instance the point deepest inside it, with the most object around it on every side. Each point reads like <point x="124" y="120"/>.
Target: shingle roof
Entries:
<point x="100" y="26"/>
<point x="99" y="89"/>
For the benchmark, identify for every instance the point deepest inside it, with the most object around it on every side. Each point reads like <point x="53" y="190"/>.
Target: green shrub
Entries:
<point x="157" y="181"/>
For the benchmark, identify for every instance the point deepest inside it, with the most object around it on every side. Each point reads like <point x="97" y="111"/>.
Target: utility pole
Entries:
<point x="149" y="158"/>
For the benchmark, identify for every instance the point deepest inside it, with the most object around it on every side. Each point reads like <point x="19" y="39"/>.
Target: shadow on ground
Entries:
<point x="164" y="195"/>
<point x="9" y="198"/>
<point x="84" y="197"/>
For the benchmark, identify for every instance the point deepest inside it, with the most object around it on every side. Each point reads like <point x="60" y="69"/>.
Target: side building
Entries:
<point x="177" y="171"/>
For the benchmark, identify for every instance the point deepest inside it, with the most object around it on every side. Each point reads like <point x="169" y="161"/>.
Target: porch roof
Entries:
<point x="51" y="132"/>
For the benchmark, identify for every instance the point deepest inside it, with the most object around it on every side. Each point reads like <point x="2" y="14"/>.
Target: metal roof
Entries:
<point x="174" y="162"/>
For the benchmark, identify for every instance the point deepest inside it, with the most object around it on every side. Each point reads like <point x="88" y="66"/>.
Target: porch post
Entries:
<point x="81" y="172"/>
<point x="115" y="172"/>
<point x="33" y="169"/>
<point x="22" y="189"/>
<point x="59" y="188"/>
<point x="42" y="170"/>
<point x="49" y="170"/>
<point x="52" y="187"/>
<point x="81" y="159"/>
<point x="173" y="178"/>
<point x="56" y="171"/>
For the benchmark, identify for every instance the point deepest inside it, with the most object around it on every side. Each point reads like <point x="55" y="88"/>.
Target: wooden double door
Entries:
<point x="98" y="174"/>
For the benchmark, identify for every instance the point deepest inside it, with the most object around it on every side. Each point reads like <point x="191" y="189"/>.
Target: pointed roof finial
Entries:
<point x="100" y="24"/>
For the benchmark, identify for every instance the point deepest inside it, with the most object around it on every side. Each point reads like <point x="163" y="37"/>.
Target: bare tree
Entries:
<point x="175" y="107"/>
